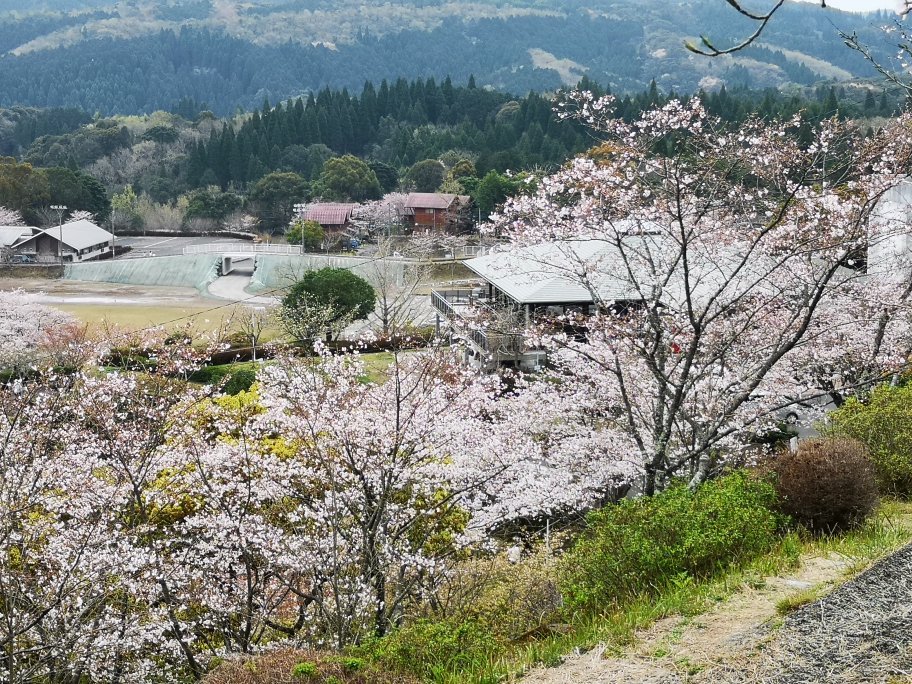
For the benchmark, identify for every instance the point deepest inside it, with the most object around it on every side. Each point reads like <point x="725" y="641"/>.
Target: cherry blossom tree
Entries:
<point x="65" y="611"/>
<point x="383" y="216"/>
<point x="149" y="527"/>
<point x="10" y="217"/>
<point x="720" y="262"/>
<point x="25" y="324"/>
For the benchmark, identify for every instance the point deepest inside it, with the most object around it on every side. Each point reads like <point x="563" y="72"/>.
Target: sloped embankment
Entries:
<point x="195" y="270"/>
<point x="861" y="632"/>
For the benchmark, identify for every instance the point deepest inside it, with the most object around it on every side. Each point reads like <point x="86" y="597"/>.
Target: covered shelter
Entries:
<point x="545" y="278"/>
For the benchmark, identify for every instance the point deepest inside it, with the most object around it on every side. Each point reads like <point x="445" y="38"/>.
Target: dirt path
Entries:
<point x="702" y="649"/>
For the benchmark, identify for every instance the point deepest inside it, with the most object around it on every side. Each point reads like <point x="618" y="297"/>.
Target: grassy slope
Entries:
<point x="890" y="529"/>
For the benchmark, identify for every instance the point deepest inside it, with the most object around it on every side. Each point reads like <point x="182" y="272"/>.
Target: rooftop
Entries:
<point x="432" y="200"/>
<point x="329" y="213"/>
<point x="10" y="235"/>
<point x="76" y="234"/>
<point x="553" y="273"/>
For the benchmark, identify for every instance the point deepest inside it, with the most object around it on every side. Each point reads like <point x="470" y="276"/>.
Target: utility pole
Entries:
<point x="59" y="208"/>
<point x="299" y="212"/>
<point x="113" y="221"/>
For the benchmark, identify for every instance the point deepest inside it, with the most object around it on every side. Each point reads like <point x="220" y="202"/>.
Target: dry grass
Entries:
<point x="291" y="666"/>
<point x="143" y="316"/>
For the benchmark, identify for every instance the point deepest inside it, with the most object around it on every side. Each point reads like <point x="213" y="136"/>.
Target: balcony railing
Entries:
<point x="501" y="344"/>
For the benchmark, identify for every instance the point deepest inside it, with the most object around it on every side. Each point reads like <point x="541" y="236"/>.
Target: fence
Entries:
<point x="458" y="254"/>
<point x="242" y="248"/>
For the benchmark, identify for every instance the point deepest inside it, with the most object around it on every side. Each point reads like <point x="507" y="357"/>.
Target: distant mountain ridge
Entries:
<point x="142" y="55"/>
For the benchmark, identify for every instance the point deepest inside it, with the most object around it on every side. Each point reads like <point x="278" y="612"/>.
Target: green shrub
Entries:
<point x="304" y="670"/>
<point x="239" y="381"/>
<point x="353" y="664"/>
<point x="510" y="599"/>
<point x="211" y="375"/>
<point x="644" y="545"/>
<point x="828" y="485"/>
<point x="236" y="377"/>
<point x="430" y="648"/>
<point x="884" y="425"/>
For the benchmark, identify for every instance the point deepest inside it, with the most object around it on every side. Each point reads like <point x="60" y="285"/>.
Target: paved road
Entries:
<point x="233" y="287"/>
<point x="167" y="246"/>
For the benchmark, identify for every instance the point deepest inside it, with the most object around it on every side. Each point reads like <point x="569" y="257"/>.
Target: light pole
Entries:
<point x="59" y="208"/>
<point x="256" y="318"/>
<point x="113" y="221"/>
<point x="299" y="212"/>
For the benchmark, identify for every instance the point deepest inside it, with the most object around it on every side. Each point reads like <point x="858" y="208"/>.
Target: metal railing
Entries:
<point x="442" y="304"/>
<point x="242" y="247"/>
<point x="502" y="344"/>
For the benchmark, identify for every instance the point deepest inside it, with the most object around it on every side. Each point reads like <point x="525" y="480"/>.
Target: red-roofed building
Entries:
<point x="437" y="210"/>
<point x="332" y="216"/>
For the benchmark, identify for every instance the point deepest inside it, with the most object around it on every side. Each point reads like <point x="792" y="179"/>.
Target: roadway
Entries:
<point x="167" y="246"/>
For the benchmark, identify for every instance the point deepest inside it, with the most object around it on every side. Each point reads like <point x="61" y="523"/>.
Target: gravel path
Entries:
<point x="861" y="632"/>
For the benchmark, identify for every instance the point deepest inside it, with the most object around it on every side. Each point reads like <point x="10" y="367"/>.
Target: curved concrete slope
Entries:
<point x="197" y="270"/>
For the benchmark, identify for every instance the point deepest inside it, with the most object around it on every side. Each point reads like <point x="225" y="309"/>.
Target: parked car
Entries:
<point x="22" y="259"/>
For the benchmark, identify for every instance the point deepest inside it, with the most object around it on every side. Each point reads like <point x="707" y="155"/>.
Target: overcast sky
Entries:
<point x="859" y="5"/>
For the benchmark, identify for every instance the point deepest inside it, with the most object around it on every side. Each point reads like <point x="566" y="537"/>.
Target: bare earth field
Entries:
<point x="129" y="306"/>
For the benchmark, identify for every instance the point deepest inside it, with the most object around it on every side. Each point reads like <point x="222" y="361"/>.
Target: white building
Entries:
<point x="71" y="243"/>
<point x="10" y="235"/>
<point x="889" y="235"/>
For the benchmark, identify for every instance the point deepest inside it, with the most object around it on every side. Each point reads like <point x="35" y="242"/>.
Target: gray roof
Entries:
<point x="552" y="272"/>
<point x="80" y="234"/>
<point x="10" y="235"/>
<point x="76" y="234"/>
<point x="584" y="271"/>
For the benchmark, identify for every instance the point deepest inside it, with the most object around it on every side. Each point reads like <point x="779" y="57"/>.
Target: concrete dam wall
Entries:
<point x="196" y="270"/>
<point x="279" y="270"/>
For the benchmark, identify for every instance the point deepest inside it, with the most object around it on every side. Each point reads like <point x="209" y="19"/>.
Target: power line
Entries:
<point x="236" y="302"/>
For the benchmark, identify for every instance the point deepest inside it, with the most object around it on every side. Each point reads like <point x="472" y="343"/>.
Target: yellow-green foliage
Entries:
<point x="510" y="599"/>
<point x="225" y="417"/>
<point x="883" y="423"/>
<point x="435" y="531"/>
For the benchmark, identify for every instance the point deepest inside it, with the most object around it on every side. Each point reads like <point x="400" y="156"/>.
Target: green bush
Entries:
<point x="239" y="377"/>
<point x="884" y="425"/>
<point x="828" y="485"/>
<point x="644" y="545"/>
<point x="305" y="670"/>
<point x="239" y="381"/>
<point x="430" y="649"/>
<point x="510" y="599"/>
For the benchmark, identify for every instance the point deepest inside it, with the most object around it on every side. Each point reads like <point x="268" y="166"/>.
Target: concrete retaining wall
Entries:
<point x="281" y="270"/>
<point x="196" y="270"/>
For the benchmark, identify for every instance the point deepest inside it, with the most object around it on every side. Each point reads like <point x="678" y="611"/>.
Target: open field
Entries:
<point x="128" y="306"/>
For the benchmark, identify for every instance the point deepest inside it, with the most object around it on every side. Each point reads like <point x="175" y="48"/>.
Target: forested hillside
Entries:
<point x="148" y="55"/>
<point x="401" y="135"/>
